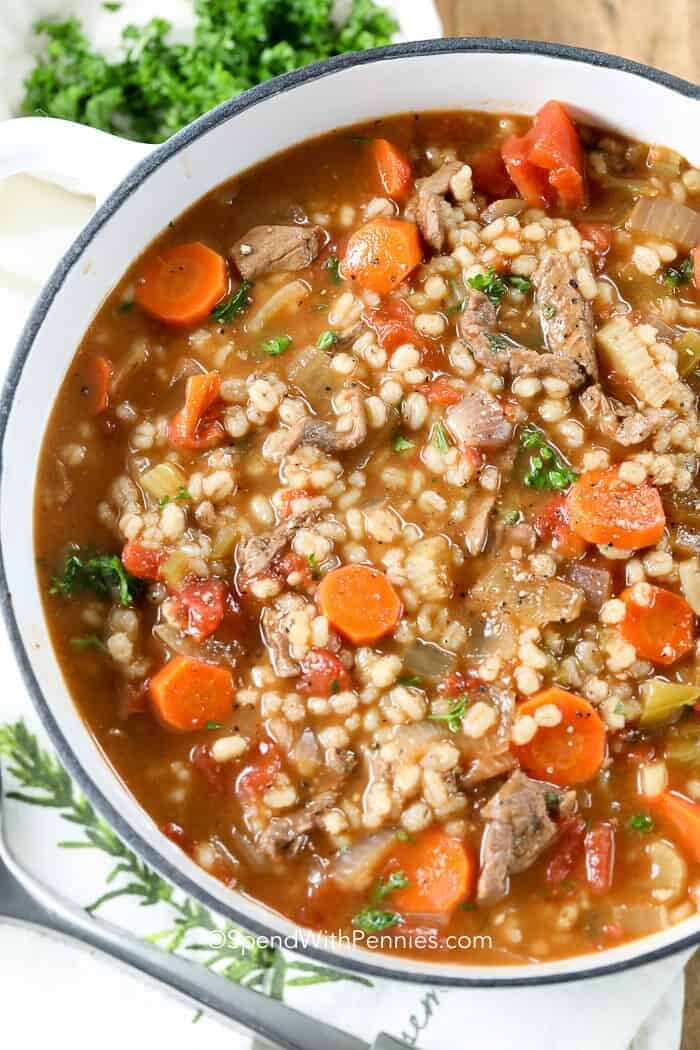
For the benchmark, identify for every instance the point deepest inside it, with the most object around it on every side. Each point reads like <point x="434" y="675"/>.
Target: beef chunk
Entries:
<point x="268" y="249"/>
<point x="565" y="316"/>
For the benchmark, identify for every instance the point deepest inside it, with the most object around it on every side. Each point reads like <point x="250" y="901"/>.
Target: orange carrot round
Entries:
<point x="360" y="602"/>
<point x="662" y="630"/>
<point x="183" y="284"/>
<point x="96" y="371"/>
<point x="603" y="508"/>
<point x="382" y="253"/>
<point x="682" y="816"/>
<point x="440" y="870"/>
<point x="570" y="752"/>
<point x="395" y="172"/>
<point x="196" y="425"/>
<point x="187" y="693"/>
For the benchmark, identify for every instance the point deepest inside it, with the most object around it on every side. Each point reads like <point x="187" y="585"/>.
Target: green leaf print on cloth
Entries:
<point x="42" y="781"/>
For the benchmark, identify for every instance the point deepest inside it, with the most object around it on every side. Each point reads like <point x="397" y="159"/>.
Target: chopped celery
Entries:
<point x="225" y="539"/>
<point x="163" y="481"/>
<point x="175" y="569"/>
<point x="683" y="744"/>
<point x="688" y="347"/>
<point x="660" y="699"/>
<point x="664" y="162"/>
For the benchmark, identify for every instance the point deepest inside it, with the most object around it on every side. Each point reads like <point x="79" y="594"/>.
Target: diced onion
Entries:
<point x="283" y="299"/>
<point x="503" y="208"/>
<point x="652" y="779"/>
<point x="640" y="920"/>
<point x="313" y="374"/>
<point x="667" y="220"/>
<point x="689" y="572"/>
<point x="355" y="868"/>
<point x="428" y="659"/>
<point x="664" y="162"/>
<point x="669" y="872"/>
<point x="225" y="539"/>
<point x="162" y="481"/>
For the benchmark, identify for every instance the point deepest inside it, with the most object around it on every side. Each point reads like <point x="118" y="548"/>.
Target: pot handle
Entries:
<point x="75" y="156"/>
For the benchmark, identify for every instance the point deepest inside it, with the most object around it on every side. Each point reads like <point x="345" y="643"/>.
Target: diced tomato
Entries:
<point x="489" y="173"/>
<point x="475" y="457"/>
<point x="393" y="167"/>
<point x="613" y="930"/>
<point x="291" y="562"/>
<point x="198" y="424"/>
<point x="217" y="775"/>
<point x="393" y="325"/>
<point x="600" y="235"/>
<point x="178" y="835"/>
<point x="143" y="562"/>
<point x="263" y="771"/>
<point x="552" y="525"/>
<point x="288" y="497"/>
<point x="530" y="181"/>
<point x="440" y="391"/>
<point x="556" y="147"/>
<point x="599" y="847"/>
<point x="455" y="684"/>
<point x="696" y="266"/>
<point x="133" y="698"/>
<point x="566" y="852"/>
<point x="547" y="162"/>
<point x="202" y="604"/>
<point x="323" y="674"/>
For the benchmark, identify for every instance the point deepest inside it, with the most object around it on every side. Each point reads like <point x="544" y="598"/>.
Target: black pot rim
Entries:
<point x="179" y="141"/>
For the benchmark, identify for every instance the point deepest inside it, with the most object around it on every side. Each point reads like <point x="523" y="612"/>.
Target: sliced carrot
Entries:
<point x="96" y="372"/>
<point x="183" y="284"/>
<point x="196" y="425"/>
<point x="360" y="602"/>
<point x="683" y="816"/>
<point x="440" y="870"/>
<point x="570" y="752"/>
<point x="382" y="253"/>
<point x="394" y="168"/>
<point x="141" y="561"/>
<point x="605" y="509"/>
<point x="188" y="693"/>
<point x="440" y="391"/>
<point x="530" y="181"/>
<point x="662" y="630"/>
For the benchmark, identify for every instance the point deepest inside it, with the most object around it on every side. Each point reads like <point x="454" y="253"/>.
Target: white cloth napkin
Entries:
<point x="77" y="991"/>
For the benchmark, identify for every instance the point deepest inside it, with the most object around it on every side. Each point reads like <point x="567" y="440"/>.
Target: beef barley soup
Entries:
<point x="369" y="532"/>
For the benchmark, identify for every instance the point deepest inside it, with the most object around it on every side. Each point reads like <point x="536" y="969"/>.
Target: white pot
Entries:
<point x="157" y="184"/>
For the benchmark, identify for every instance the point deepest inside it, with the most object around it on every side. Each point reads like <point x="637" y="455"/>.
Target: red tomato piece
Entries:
<point x="530" y="181"/>
<point x="552" y="525"/>
<point x="599" y="847"/>
<point x="289" y="496"/>
<point x="143" y="562"/>
<point x="262" y="771"/>
<point x="323" y="674"/>
<point x="216" y="774"/>
<point x="556" y="147"/>
<point x="202" y="604"/>
<point x="489" y="173"/>
<point x="393" y="325"/>
<point x="440" y="391"/>
<point x="567" y="850"/>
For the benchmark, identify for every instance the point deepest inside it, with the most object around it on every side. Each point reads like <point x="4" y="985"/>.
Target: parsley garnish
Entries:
<point x="112" y="5"/>
<point x="102" y="574"/>
<point x="495" y="287"/>
<point x="154" y="86"/>
<point x="496" y="342"/>
<point x="213" y="725"/>
<point x="410" y="679"/>
<point x="549" y="311"/>
<point x="552" y="801"/>
<point x="326" y="340"/>
<point x="234" y="305"/>
<point x="396" y="881"/>
<point x="333" y="267"/>
<point x="401" y="444"/>
<point x="403" y="836"/>
<point x="126" y="307"/>
<point x="440" y="438"/>
<point x="373" y="920"/>
<point x="277" y="346"/>
<point x="547" y="470"/>
<point x="88" y="641"/>
<point x="453" y="717"/>
<point x="181" y="496"/>
<point x="642" y="822"/>
<point x="335" y="687"/>
<point x="681" y="274"/>
<point x="313" y="566"/>
<point x="512" y="517"/>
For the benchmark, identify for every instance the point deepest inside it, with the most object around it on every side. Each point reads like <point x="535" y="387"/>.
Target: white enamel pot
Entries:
<point x="158" y="184"/>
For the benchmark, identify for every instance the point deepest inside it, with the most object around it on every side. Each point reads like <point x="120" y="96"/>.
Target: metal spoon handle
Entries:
<point x="25" y="899"/>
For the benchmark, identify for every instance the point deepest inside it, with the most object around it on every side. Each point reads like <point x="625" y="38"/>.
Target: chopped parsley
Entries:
<point x="552" y="801"/>
<point x="496" y="342"/>
<point x="333" y="267"/>
<point x="440" y="438"/>
<point x="452" y="717"/>
<point x="88" y="641"/>
<point x="642" y="823"/>
<point x="234" y="305"/>
<point x="675" y="276"/>
<point x="410" y="680"/>
<point x="546" y="470"/>
<point x="112" y="5"/>
<point x="155" y="85"/>
<point x="403" y="836"/>
<point x="126" y="307"/>
<point x="102" y="574"/>
<point x="181" y="496"/>
<point x="275" y="347"/>
<point x="313" y="566"/>
<point x="213" y="725"/>
<point x="549" y="311"/>
<point x="335" y="687"/>
<point x="495" y="287"/>
<point x="374" y="920"/>
<point x="512" y="517"/>
<point x="401" y="444"/>
<point x="396" y="881"/>
<point x="326" y="340"/>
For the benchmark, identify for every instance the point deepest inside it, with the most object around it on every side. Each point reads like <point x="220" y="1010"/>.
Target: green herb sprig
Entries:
<point x="102" y="574"/>
<point x="494" y="286"/>
<point x="546" y="470"/>
<point x="453" y="716"/>
<point x="676" y="276"/>
<point x="276" y="346"/>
